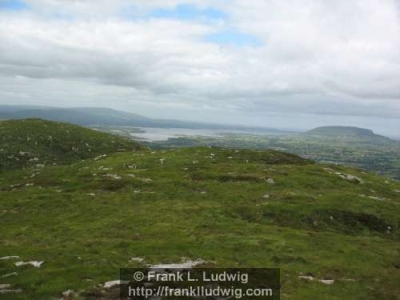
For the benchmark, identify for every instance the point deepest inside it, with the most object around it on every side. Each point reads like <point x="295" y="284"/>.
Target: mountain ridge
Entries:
<point x="86" y="116"/>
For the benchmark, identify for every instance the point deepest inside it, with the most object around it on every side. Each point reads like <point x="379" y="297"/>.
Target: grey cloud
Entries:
<point x="336" y="58"/>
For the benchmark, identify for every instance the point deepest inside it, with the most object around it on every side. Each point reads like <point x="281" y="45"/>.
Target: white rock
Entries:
<point x="184" y="265"/>
<point x="113" y="176"/>
<point x="101" y="156"/>
<point x="5" y="286"/>
<point x="9" y="257"/>
<point x="138" y="259"/>
<point x="113" y="283"/>
<point x="68" y="293"/>
<point x="266" y="196"/>
<point x="310" y="278"/>
<point x="9" y="275"/>
<point x="376" y="198"/>
<point x="270" y="181"/>
<point x="327" y="281"/>
<point x="350" y="177"/>
<point x="36" y="264"/>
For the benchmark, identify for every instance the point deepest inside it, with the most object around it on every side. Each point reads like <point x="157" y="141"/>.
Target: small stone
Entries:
<point x="113" y="283"/>
<point x="36" y="264"/>
<point x="327" y="281"/>
<point x="5" y="286"/>
<point x="270" y="181"/>
<point x="9" y="257"/>
<point x="68" y="294"/>
<point x="310" y="278"/>
<point x="9" y="275"/>
<point x="138" y="259"/>
<point x="113" y="176"/>
<point x="101" y="156"/>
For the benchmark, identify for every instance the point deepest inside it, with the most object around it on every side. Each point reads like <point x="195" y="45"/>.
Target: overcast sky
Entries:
<point x="286" y="64"/>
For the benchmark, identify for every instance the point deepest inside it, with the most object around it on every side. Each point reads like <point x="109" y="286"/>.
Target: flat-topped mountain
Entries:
<point x="342" y="131"/>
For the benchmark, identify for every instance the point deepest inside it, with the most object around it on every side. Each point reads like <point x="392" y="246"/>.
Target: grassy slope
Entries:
<point x="374" y="153"/>
<point x="33" y="141"/>
<point x="84" y="239"/>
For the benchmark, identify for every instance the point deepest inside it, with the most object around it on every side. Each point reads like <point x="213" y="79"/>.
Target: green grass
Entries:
<point x="85" y="239"/>
<point x="33" y="142"/>
<point x="366" y="151"/>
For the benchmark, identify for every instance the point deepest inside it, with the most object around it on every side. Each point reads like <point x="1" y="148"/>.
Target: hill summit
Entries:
<point x="32" y="142"/>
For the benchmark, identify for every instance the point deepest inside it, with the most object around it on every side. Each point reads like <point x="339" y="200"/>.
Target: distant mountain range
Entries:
<point x="110" y="117"/>
<point x="95" y="116"/>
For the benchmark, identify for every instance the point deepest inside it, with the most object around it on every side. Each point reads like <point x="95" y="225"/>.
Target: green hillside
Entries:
<point x="35" y="142"/>
<point x="338" y="227"/>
